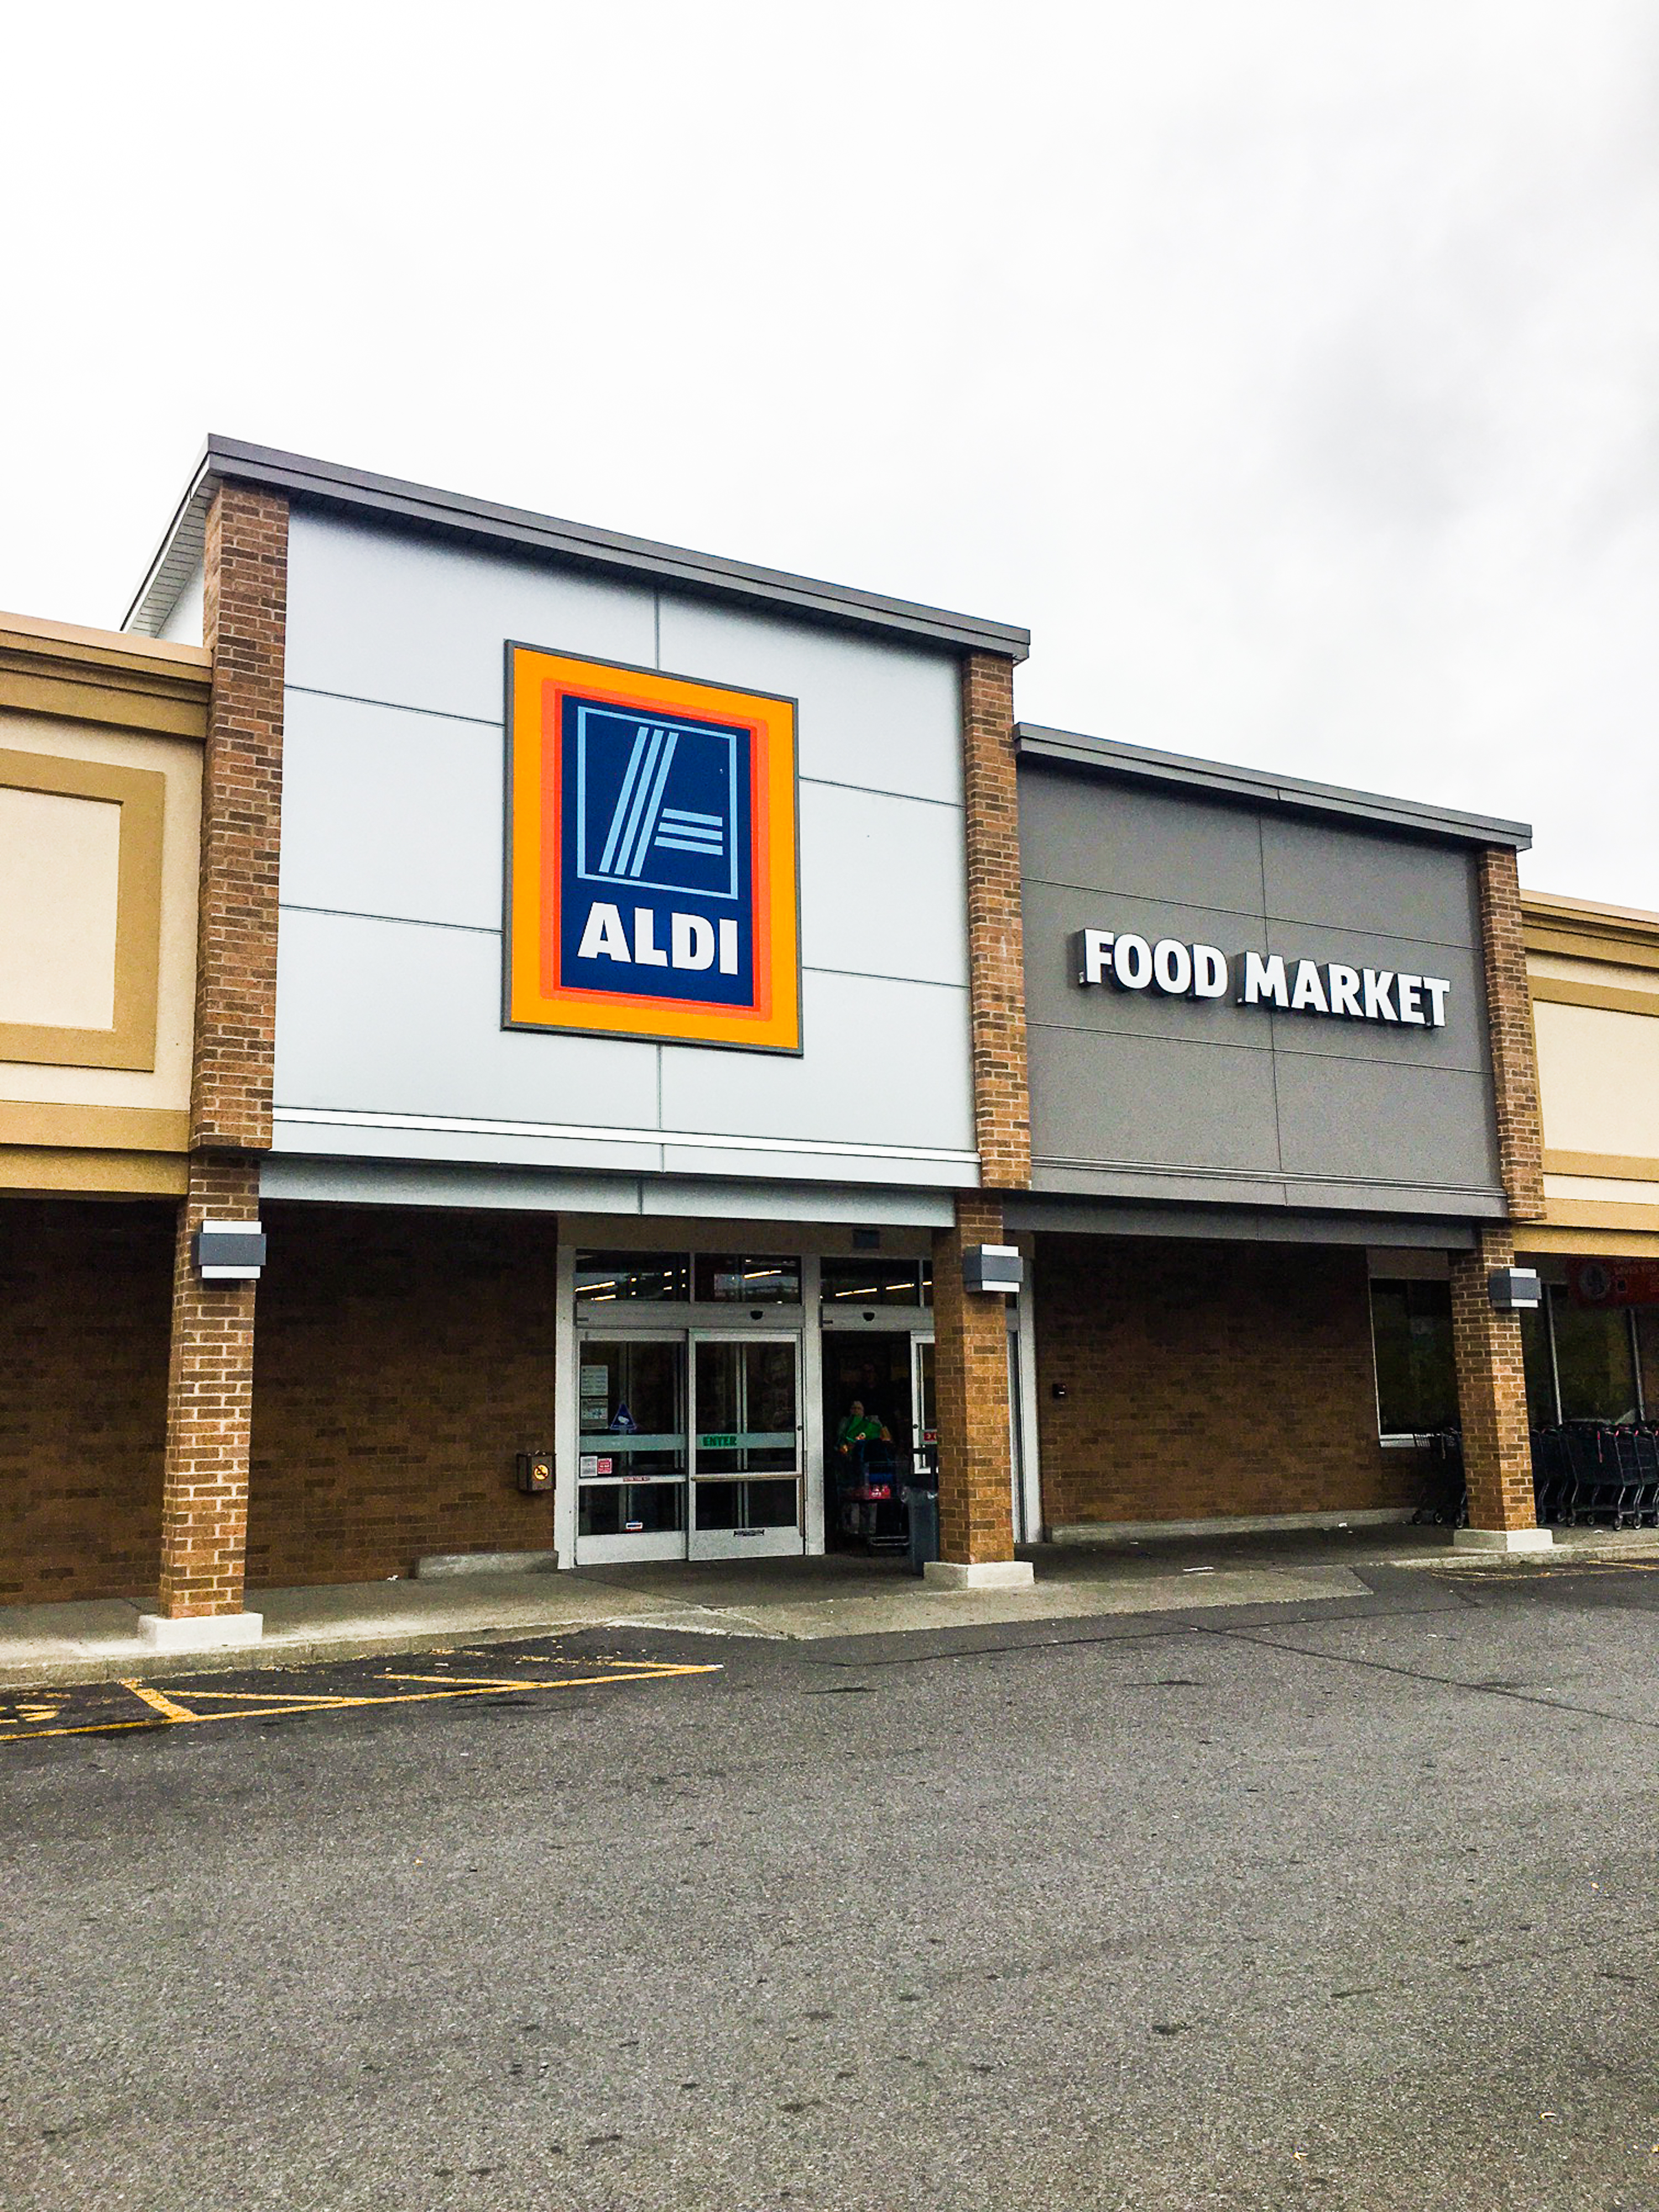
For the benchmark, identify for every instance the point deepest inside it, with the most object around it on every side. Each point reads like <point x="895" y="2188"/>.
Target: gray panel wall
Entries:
<point x="1141" y="1097"/>
<point x="389" y="985"/>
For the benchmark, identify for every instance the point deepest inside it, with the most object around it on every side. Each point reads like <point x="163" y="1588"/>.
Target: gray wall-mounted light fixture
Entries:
<point x="228" y="1251"/>
<point x="994" y="1267"/>
<point x="1515" y="1289"/>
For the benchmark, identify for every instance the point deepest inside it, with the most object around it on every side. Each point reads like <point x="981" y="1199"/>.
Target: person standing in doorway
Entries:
<point x="858" y="1428"/>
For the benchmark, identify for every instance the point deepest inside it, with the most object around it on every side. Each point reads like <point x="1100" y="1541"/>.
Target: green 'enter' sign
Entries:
<point x="716" y="1443"/>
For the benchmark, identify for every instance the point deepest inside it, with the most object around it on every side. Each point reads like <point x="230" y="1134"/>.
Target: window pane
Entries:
<point x="1593" y="1358"/>
<point x="630" y="1509"/>
<point x="746" y="1505"/>
<point x="1646" y="1339"/>
<point x="746" y="1412"/>
<point x="612" y="1277"/>
<point x="1411" y="1327"/>
<point x="872" y="1281"/>
<point x="731" y="1279"/>
<point x="631" y="1406"/>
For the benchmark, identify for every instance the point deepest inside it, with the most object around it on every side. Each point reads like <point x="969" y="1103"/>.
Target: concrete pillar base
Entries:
<point x="982" y="1574"/>
<point x="207" y="1632"/>
<point x="1503" y="1540"/>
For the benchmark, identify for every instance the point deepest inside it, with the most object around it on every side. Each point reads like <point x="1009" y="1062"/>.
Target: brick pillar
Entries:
<point x="1491" y="1385"/>
<point x="245" y="620"/>
<point x="970" y="1370"/>
<point x="996" y="954"/>
<point x="1514" y="1050"/>
<point x="210" y="1405"/>
<point x="1491" y="1398"/>
<point x="211" y="1370"/>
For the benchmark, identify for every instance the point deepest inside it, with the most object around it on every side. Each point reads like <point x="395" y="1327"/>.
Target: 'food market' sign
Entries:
<point x="1179" y="971"/>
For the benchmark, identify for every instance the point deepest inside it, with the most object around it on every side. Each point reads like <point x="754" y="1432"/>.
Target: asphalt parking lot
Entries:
<point x="1348" y="1905"/>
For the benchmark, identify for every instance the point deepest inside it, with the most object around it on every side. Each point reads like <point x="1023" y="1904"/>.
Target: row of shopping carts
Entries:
<point x="1595" y="1473"/>
<point x="1584" y="1473"/>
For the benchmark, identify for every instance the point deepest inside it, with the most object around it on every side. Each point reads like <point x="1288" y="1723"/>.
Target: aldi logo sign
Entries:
<point x="652" y="858"/>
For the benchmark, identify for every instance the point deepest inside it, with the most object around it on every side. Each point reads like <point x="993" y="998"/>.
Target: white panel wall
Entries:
<point x="413" y="621"/>
<point x="389" y="986"/>
<point x="183" y="623"/>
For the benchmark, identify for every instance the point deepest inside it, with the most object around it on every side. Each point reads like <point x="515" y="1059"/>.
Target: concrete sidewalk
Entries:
<point x="839" y="1595"/>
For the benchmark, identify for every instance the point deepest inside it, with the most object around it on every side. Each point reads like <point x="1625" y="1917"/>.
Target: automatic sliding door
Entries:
<point x="632" y="1456"/>
<point x="746" y="1464"/>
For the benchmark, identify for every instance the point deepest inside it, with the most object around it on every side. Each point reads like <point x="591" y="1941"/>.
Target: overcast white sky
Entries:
<point x="1291" y="370"/>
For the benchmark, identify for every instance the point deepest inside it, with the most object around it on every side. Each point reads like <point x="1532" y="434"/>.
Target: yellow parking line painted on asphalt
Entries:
<point x="298" y="1699"/>
<point x="481" y="1681"/>
<point x="170" y="1713"/>
<point x="157" y="1703"/>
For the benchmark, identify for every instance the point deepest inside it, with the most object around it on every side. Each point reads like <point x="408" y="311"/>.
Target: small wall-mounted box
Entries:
<point x="1515" y="1289"/>
<point x="535" y="1472"/>
<point x="995" y="1267"/>
<point x="228" y="1251"/>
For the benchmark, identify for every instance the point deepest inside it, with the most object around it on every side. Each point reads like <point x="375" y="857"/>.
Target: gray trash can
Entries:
<point x="924" y="1527"/>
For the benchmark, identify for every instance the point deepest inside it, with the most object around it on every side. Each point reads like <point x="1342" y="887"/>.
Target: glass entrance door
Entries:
<point x="746" y="1447"/>
<point x="632" y="1459"/>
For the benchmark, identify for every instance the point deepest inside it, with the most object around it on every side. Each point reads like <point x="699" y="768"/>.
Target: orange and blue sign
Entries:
<point x="652" y="872"/>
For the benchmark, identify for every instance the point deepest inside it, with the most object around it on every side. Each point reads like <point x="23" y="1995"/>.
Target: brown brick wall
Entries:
<point x="970" y="1370"/>
<point x="244" y="622"/>
<point x="1002" y="1103"/>
<point x="403" y="1359"/>
<point x="83" y="1360"/>
<point x="1491" y="1389"/>
<point x="1207" y="1379"/>
<point x="209" y="1403"/>
<point x="1514" y="1049"/>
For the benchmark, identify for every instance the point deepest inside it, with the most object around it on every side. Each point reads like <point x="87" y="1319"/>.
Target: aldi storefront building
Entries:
<point x="659" y="1022"/>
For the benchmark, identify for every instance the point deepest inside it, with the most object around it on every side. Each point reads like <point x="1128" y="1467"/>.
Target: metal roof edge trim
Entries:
<point x="1105" y="756"/>
<point x="327" y="484"/>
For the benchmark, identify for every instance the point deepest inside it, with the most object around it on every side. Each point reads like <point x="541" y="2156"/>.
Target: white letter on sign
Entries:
<point x="1172" y="967"/>
<point x="693" y="940"/>
<point x="1264" y="979"/>
<point x="1209" y="972"/>
<point x="645" y="940"/>
<point x="1377" y="984"/>
<point x="604" y="937"/>
<point x="1132" y="962"/>
<point x="1309" y="996"/>
<point x="1093" y="949"/>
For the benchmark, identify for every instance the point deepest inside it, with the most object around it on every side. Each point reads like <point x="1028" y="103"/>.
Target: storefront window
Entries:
<point x="724" y="1278"/>
<point x="1416" y="1384"/>
<point x="873" y="1281"/>
<point x="613" y="1278"/>
<point x="1594" y="1359"/>
<point x="1647" y="1360"/>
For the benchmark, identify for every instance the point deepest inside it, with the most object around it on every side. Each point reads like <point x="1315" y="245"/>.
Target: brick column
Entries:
<point x="1491" y="1383"/>
<point x="1492" y="1402"/>
<point x="970" y="1374"/>
<point x="976" y="1525"/>
<point x="211" y="1370"/>
<point x="1514" y="1049"/>
<point x="210" y="1405"/>
<point x="996" y="952"/>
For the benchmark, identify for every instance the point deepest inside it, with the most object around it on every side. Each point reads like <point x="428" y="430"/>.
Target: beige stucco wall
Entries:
<point x="1599" y="1073"/>
<point x="79" y="956"/>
